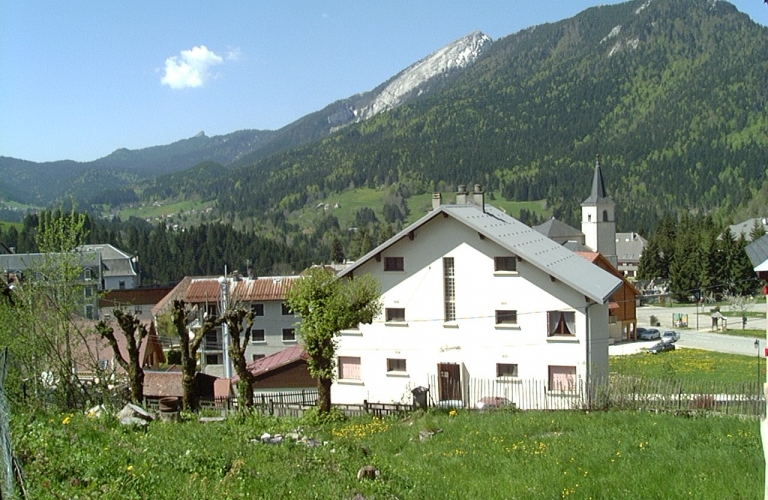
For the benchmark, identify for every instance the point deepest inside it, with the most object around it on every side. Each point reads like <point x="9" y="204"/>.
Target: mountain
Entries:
<point x="671" y="94"/>
<point x="42" y="183"/>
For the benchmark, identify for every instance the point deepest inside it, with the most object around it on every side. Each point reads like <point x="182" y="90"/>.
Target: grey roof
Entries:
<point x="108" y="252"/>
<point x="630" y="246"/>
<point x="598" y="193"/>
<point x="556" y="229"/>
<point x="758" y="253"/>
<point x="746" y="227"/>
<point x="523" y="241"/>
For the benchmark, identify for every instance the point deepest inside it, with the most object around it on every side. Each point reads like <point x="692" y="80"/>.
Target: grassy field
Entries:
<point x="690" y="364"/>
<point x="470" y="455"/>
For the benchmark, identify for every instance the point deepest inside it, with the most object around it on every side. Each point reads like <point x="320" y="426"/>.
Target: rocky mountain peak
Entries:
<point x="418" y="77"/>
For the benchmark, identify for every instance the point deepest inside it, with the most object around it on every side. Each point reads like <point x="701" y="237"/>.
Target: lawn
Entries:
<point x="467" y="455"/>
<point x="690" y="364"/>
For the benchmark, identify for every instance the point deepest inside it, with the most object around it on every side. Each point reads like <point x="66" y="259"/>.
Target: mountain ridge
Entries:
<point x="125" y="166"/>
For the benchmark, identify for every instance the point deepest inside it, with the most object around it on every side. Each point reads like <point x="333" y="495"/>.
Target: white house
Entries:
<point x="470" y="293"/>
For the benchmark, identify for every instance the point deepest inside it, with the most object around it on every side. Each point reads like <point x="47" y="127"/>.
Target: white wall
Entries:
<point x="474" y="340"/>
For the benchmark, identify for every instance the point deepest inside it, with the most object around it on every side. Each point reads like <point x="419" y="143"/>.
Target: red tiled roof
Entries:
<point x="134" y="296"/>
<point x="246" y="289"/>
<point x="273" y="361"/>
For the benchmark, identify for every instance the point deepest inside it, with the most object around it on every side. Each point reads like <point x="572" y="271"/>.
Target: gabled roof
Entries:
<point x="134" y="296"/>
<point x="558" y="230"/>
<point x="521" y="240"/>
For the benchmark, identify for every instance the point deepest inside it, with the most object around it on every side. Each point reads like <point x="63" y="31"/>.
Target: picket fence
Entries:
<point x="617" y="392"/>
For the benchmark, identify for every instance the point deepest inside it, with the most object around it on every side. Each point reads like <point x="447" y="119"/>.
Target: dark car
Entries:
<point x="662" y="347"/>
<point x="649" y="334"/>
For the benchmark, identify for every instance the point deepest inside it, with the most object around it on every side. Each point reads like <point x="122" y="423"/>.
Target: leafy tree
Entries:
<point x="327" y="305"/>
<point x="135" y="333"/>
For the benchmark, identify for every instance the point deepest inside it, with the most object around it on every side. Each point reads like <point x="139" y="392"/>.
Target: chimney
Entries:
<point x="437" y="200"/>
<point x="478" y="197"/>
<point x="461" y="195"/>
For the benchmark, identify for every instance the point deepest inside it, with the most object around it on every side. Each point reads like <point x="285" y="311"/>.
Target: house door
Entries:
<point x="450" y="381"/>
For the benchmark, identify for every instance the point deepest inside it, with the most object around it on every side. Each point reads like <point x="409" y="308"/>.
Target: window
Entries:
<point x="212" y="311"/>
<point x="395" y="365"/>
<point x="605" y="216"/>
<point x="561" y="323"/>
<point x="258" y="309"/>
<point x="289" y="335"/>
<point x="286" y="310"/>
<point x="562" y="378"/>
<point x="121" y="285"/>
<point x="137" y="310"/>
<point x="213" y="359"/>
<point x="257" y="357"/>
<point x="103" y="364"/>
<point x="89" y="311"/>
<point x="394" y="264"/>
<point x="212" y="341"/>
<point x="506" y="370"/>
<point x="88" y="292"/>
<point x="87" y="273"/>
<point x="449" y="289"/>
<point x="394" y="314"/>
<point x="505" y="264"/>
<point x="506" y="317"/>
<point x="258" y="336"/>
<point x="349" y="368"/>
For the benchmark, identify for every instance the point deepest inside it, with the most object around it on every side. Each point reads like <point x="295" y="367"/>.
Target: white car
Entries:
<point x="670" y="336"/>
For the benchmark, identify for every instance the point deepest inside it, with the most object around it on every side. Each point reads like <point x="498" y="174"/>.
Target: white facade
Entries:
<point x="500" y="330"/>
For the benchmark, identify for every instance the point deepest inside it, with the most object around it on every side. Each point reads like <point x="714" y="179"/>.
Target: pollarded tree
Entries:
<point x="135" y="333"/>
<point x="239" y="322"/>
<point x="327" y="305"/>
<point x="182" y="320"/>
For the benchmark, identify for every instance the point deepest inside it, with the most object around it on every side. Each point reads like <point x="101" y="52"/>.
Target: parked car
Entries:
<point x="670" y="336"/>
<point x="640" y="331"/>
<point x="649" y="334"/>
<point x="662" y="347"/>
<point x="494" y="403"/>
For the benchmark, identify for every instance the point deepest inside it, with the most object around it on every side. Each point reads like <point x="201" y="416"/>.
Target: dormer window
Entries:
<point x="87" y="274"/>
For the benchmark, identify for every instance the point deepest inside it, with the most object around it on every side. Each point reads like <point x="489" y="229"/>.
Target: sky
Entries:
<point x="79" y="79"/>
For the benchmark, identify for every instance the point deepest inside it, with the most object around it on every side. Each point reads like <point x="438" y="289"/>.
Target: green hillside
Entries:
<point x="672" y="96"/>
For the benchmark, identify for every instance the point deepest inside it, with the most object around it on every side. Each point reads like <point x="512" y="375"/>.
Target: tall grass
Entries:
<point x="504" y="455"/>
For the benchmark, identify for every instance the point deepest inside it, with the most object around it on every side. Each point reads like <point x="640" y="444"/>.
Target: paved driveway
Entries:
<point x="703" y="338"/>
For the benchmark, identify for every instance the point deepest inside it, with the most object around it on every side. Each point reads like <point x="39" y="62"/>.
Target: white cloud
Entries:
<point x="191" y="68"/>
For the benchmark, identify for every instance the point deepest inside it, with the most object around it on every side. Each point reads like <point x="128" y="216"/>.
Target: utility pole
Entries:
<point x="224" y="285"/>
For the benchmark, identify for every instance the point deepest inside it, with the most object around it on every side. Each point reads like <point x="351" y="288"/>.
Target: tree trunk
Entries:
<point x="324" y="394"/>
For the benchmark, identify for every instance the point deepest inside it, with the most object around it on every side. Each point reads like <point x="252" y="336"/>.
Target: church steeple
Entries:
<point x="598" y="185"/>
<point x="598" y="218"/>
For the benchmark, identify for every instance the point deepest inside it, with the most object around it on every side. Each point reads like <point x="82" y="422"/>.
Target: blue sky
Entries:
<point x="81" y="79"/>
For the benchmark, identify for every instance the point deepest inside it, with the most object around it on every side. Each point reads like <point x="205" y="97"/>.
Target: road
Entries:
<point x="703" y="338"/>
